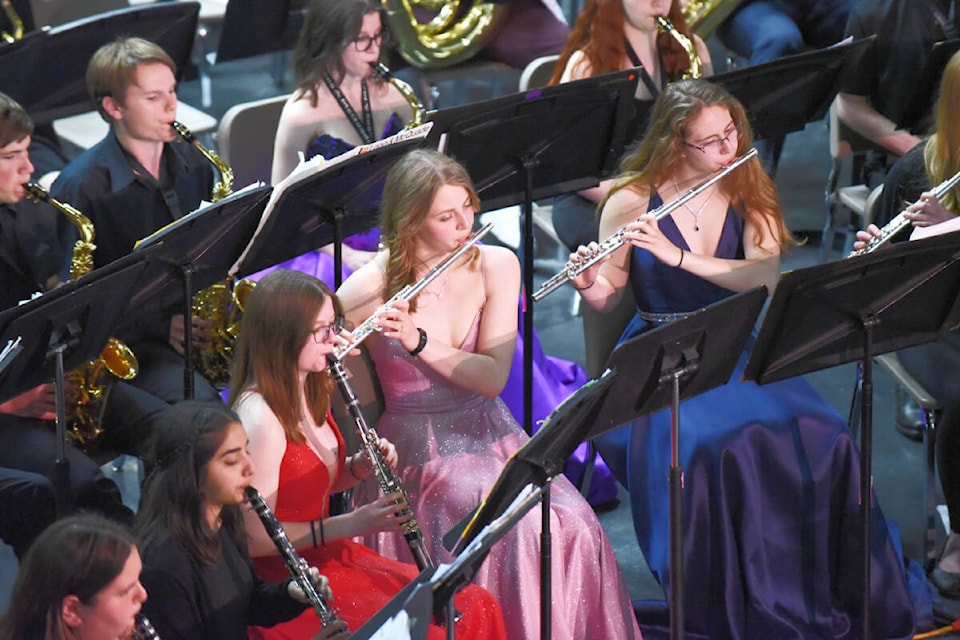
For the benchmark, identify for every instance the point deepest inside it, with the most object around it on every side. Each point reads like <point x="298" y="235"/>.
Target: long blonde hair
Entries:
<point x="751" y="190"/>
<point x="942" y="151"/>
<point x="408" y="193"/>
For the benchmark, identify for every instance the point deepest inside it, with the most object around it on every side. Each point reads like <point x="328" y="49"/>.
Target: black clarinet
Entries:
<point x="385" y="478"/>
<point x="144" y="630"/>
<point x="296" y="565"/>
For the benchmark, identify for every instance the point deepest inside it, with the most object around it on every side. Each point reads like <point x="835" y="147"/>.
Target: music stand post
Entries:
<point x="60" y="330"/>
<point x="516" y="149"/>
<point x="852" y="310"/>
<point x="196" y="251"/>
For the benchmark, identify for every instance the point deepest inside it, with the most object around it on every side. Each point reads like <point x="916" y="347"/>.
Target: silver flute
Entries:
<point x="615" y="241"/>
<point x="386" y="479"/>
<point x="368" y="326"/>
<point x="296" y="565"/>
<point x="899" y="222"/>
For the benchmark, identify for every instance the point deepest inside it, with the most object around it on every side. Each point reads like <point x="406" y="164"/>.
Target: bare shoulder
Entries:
<point x="499" y="262"/>
<point x="363" y="290"/>
<point x="626" y="204"/>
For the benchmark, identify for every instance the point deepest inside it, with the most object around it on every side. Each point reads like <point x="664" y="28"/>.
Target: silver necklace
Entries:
<point x="695" y="214"/>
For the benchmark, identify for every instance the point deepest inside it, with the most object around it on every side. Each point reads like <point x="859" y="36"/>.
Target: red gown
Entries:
<point x="362" y="580"/>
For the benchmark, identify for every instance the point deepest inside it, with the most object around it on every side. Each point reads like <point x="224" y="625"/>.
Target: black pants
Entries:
<point x="936" y="365"/>
<point x="28" y="504"/>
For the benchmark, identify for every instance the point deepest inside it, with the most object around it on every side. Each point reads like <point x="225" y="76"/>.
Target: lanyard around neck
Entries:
<point x="364" y="128"/>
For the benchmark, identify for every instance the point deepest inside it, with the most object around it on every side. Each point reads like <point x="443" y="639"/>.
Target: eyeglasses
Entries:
<point x="716" y="143"/>
<point x="363" y="43"/>
<point x="322" y="334"/>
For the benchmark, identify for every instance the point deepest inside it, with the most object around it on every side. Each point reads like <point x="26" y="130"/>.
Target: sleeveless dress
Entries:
<point x="452" y="444"/>
<point x="553" y="378"/>
<point x="770" y="507"/>
<point x="362" y="580"/>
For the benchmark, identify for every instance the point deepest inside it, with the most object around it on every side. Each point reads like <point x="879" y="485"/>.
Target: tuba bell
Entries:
<point x="86" y="389"/>
<point x="454" y="33"/>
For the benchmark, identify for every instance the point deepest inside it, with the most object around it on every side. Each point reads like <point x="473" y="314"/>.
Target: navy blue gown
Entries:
<point x="771" y="525"/>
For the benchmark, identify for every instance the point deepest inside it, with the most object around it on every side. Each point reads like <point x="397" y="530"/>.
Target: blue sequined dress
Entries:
<point x="770" y="497"/>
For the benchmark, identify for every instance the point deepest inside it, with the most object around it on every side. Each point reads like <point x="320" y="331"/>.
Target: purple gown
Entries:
<point x="771" y="518"/>
<point x="452" y="444"/>
<point x="553" y="379"/>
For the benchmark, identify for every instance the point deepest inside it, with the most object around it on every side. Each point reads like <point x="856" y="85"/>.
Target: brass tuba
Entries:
<point x="704" y="16"/>
<point x="15" y="22"/>
<point x="695" y="70"/>
<point x="454" y="34"/>
<point x="220" y="304"/>
<point x="86" y="391"/>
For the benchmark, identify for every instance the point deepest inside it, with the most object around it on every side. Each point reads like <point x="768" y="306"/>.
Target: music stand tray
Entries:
<point x="493" y="138"/>
<point x="854" y="309"/>
<point x="63" y="53"/>
<point x="81" y="314"/>
<point x="785" y="94"/>
<point x="324" y="201"/>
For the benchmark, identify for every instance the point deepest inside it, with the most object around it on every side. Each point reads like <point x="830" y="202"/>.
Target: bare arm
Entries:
<point x="857" y="113"/>
<point x="294" y="133"/>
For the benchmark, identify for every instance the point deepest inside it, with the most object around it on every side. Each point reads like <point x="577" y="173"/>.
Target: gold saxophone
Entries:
<point x="454" y="33"/>
<point x="220" y="304"/>
<point x="695" y="70"/>
<point x="15" y="22"/>
<point x="86" y="392"/>
<point x="419" y="112"/>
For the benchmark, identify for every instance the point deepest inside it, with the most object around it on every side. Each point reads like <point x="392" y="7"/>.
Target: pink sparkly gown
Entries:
<point x="452" y="444"/>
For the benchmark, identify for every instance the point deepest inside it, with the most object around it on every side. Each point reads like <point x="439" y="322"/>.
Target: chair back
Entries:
<point x="245" y="138"/>
<point x="537" y="72"/>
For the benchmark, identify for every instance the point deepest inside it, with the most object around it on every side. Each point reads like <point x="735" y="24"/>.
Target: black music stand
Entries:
<point x="63" y="53"/>
<point x="785" y="94"/>
<point x="647" y="373"/>
<point x="61" y="330"/>
<point x="254" y="27"/>
<point x="854" y="309"/>
<point x="197" y="251"/>
<point x="323" y="202"/>
<point x="917" y="118"/>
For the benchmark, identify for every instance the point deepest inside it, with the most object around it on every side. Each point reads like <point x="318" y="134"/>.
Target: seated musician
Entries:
<point x="936" y="365"/>
<point x="136" y="180"/>
<point x="29" y="261"/>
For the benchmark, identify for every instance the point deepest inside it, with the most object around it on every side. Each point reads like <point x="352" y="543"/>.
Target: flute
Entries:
<point x="388" y="482"/>
<point x="900" y="222"/>
<point x="615" y="241"/>
<point x="296" y="565"/>
<point x="368" y="326"/>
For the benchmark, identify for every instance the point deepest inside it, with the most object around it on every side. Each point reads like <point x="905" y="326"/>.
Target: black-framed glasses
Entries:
<point x="364" y="43"/>
<point x="322" y="334"/>
<point x="715" y="144"/>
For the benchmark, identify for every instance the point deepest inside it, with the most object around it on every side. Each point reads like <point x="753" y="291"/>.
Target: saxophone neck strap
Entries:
<point x="364" y="127"/>
<point x="644" y="74"/>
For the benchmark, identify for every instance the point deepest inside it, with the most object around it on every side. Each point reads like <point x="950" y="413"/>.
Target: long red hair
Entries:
<point x="598" y="32"/>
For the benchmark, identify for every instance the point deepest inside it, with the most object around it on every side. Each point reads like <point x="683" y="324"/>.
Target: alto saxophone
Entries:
<point x="86" y="391"/>
<point x="15" y="22"/>
<point x="899" y="222"/>
<point x="419" y="112"/>
<point x="368" y="326"/>
<point x="220" y="304"/>
<point x="387" y="481"/>
<point x="695" y="70"/>
<point x="615" y="240"/>
<point x="296" y="565"/>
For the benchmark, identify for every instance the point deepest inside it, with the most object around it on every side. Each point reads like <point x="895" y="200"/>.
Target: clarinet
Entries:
<point x="385" y="478"/>
<point x="296" y="565"/>
<point x="144" y="630"/>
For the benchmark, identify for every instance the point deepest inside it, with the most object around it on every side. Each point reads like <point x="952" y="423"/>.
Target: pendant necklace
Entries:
<point x="695" y="214"/>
